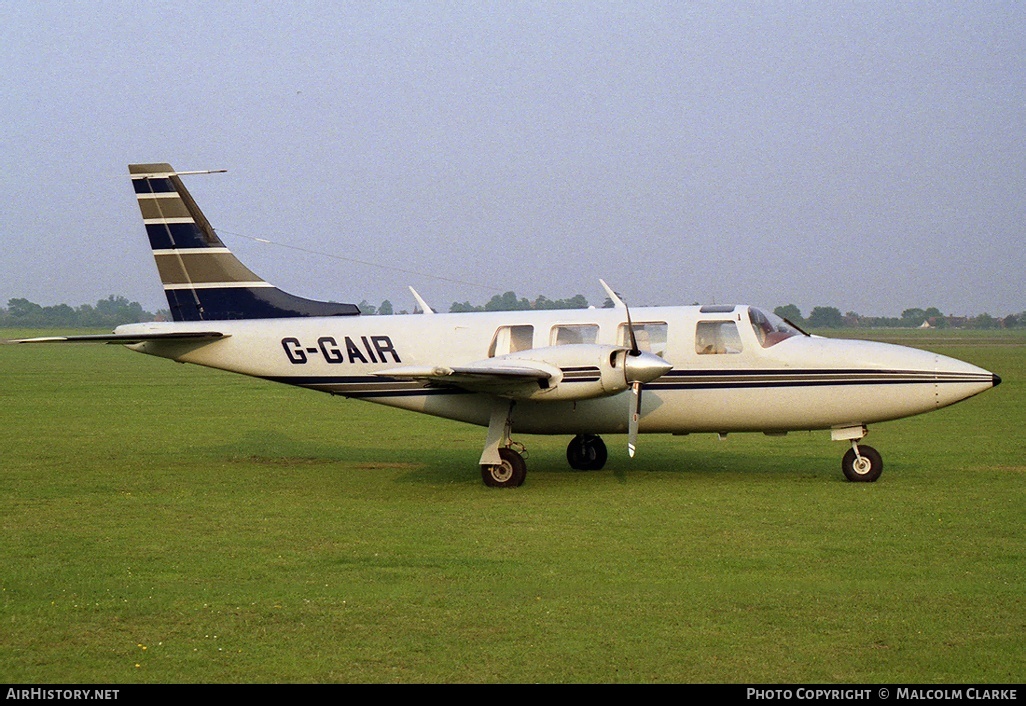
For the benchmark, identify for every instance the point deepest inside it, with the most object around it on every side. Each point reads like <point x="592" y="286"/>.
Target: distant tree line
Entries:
<point x="116" y="310"/>
<point x="500" y="302"/>
<point x="510" y="302"/>
<point x="830" y="317"/>
<point x="108" y="313"/>
<point x="368" y="309"/>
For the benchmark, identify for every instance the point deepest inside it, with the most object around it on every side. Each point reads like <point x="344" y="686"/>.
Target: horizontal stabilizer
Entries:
<point x="125" y="338"/>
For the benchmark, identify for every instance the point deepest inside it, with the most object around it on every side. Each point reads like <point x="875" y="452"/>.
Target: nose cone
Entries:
<point x="956" y="380"/>
<point x="645" y="367"/>
<point x="881" y="381"/>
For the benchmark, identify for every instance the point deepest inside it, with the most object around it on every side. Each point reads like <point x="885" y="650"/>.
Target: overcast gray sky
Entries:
<point x="867" y="155"/>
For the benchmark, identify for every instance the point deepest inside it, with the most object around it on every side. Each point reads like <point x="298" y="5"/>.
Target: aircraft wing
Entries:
<point x="496" y="378"/>
<point x="126" y="338"/>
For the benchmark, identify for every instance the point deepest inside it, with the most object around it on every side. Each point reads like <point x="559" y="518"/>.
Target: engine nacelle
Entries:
<point x="583" y="371"/>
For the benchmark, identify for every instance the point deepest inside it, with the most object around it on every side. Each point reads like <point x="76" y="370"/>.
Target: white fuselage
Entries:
<point x="798" y="383"/>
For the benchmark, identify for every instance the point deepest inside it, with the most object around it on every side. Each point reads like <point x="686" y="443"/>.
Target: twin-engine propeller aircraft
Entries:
<point x="674" y="370"/>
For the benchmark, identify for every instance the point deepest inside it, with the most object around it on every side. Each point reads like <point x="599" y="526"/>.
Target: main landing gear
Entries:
<point x="586" y="452"/>
<point x="501" y="466"/>
<point x="504" y="467"/>
<point x="509" y="472"/>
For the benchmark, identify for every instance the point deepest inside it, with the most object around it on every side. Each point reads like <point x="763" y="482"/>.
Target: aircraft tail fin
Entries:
<point x="202" y="279"/>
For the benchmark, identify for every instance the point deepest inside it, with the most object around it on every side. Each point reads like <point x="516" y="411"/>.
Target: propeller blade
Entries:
<point x="632" y="422"/>
<point x="630" y="329"/>
<point x="638" y="367"/>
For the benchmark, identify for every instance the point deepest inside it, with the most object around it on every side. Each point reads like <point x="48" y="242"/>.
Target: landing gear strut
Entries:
<point x="862" y="464"/>
<point x="586" y="452"/>
<point x="501" y="466"/>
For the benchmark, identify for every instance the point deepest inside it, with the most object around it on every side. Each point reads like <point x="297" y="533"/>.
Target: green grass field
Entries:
<point x="167" y="523"/>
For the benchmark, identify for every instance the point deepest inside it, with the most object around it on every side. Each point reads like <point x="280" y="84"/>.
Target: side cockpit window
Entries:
<point x="567" y="334"/>
<point x="770" y="329"/>
<point x="717" y="338"/>
<point x="651" y="336"/>
<point x="510" y="339"/>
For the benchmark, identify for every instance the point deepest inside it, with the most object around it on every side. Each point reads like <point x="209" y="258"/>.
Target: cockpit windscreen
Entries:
<point x="770" y="329"/>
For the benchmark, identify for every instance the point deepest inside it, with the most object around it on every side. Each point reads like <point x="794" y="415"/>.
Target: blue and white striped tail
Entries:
<point x="202" y="279"/>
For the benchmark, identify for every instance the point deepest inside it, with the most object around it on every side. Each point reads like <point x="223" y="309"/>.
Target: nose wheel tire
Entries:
<point x="508" y="473"/>
<point x="586" y="452"/>
<point x="864" y="467"/>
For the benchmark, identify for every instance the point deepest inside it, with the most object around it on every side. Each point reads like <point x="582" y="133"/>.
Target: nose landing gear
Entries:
<point x="862" y="464"/>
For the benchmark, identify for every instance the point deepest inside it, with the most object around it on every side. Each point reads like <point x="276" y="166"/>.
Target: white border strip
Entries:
<point x="167" y="221"/>
<point x="192" y="251"/>
<point x="218" y="285"/>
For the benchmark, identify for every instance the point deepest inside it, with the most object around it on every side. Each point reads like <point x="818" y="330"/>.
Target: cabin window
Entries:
<point x="651" y="336"/>
<point x="717" y="338"/>
<point x="770" y="329"/>
<point x="510" y="339"/>
<point x="567" y="334"/>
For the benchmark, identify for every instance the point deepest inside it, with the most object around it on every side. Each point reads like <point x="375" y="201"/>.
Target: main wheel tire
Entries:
<point x="586" y="452"/>
<point x="865" y="469"/>
<point x="509" y="473"/>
